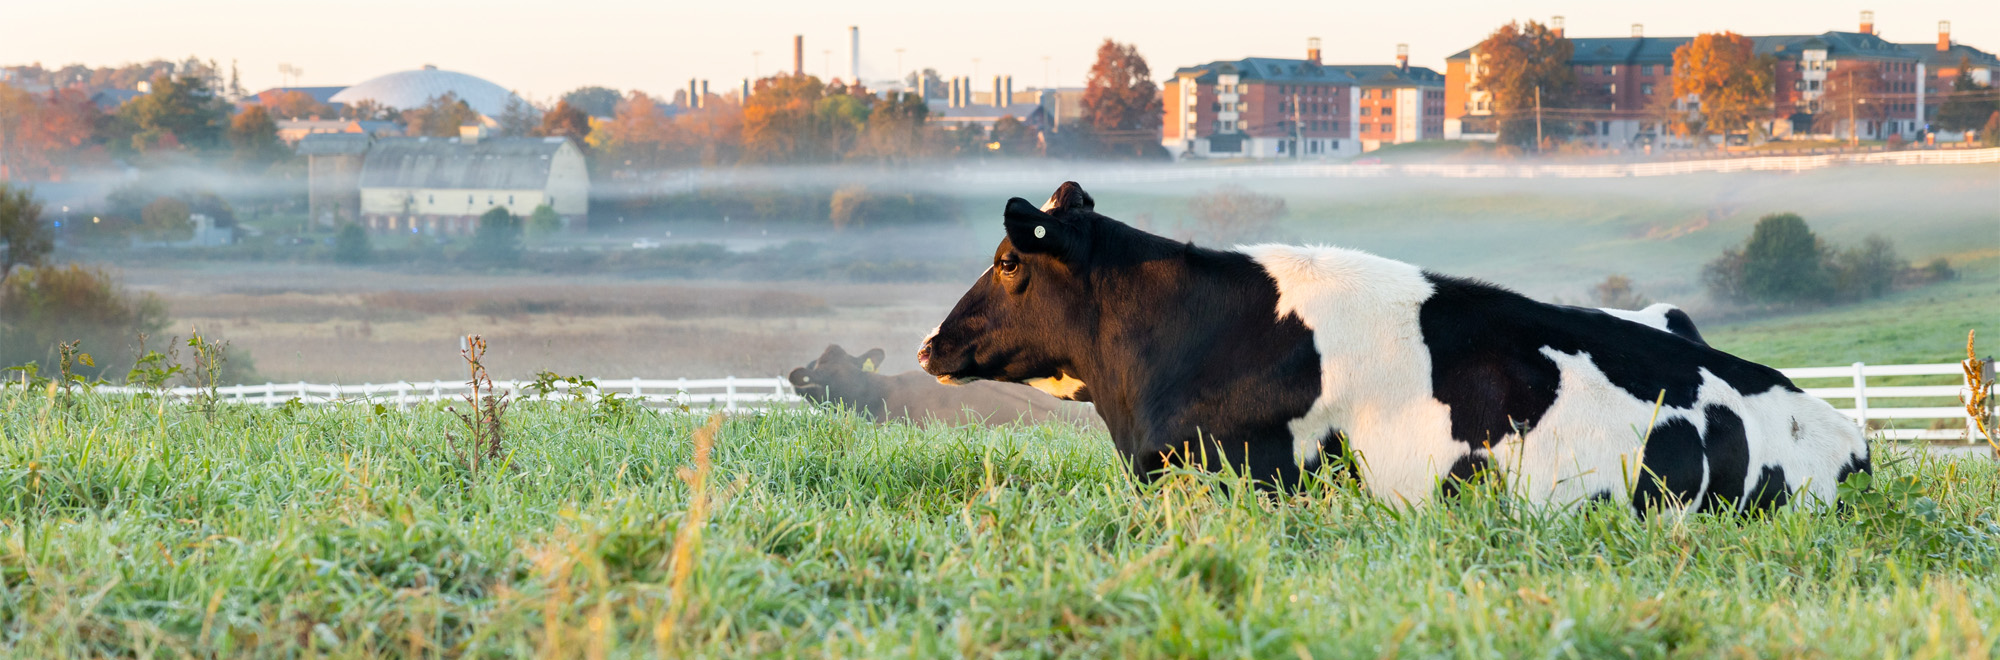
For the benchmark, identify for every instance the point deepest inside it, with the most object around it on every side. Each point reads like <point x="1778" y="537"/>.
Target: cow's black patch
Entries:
<point x="1466" y="470"/>
<point x="1854" y="464"/>
<point x="1771" y="490"/>
<point x="1180" y="346"/>
<point x="1679" y="323"/>
<point x="1671" y="470"/>
<point x="1728" y="450"/>
<point x="1487" y="363"/>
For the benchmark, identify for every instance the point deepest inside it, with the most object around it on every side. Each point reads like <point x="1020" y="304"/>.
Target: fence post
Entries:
<point x="729" y="393"/>
<point x="1861" y="394"/>
<point x="402" y="395"/>
<point x="270" y="395"/>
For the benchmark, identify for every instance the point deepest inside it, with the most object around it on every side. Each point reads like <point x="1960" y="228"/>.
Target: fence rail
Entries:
<point x="757" y="393"/>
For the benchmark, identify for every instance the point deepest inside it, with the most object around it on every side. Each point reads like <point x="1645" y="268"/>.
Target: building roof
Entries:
<point x="1660" y="50"/>
<point x="1941" y="59"/>
<point x="320" y="94"/>
<point x="1272" y="69"/>
<point x="409" y="89"/>
<point x="437" y="163"/>
<point x="335" y="144"/>
<point x="1378" y="75"/>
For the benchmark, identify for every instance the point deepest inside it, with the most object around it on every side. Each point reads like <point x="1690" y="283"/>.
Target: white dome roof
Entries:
<point x="409" y="89"/>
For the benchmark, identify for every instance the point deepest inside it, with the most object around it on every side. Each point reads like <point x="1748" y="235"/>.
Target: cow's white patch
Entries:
<point x="1653" y="316"/>
<point x="1062" y="386"/>
<point x="1376" y="389"/>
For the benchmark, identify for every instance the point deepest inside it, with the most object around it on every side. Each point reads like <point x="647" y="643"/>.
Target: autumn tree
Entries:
<point x="253" y="138"/>
<point x="1520" y="64"/>
<point x="519" y="118"/>
<point x="1012" y="137"/>
<point x="294" y="104"/>
<point x="1968" y="104"/>
<point x="1121" y="103"/>
<point x="639" y="137"/>
<point x="565" y="120"/>
<point x="24" y="237"/>
<point x="1731" y="80"/>
<point x="440" y="117"/>
<point x="181" y="111"/>
<point x="778" y="120"/>
<point x="42" y="135"/>
<point x="896" y="130"/>
<point x="594" y="101"/>
<point x="167" y="219"/>
<point x="1853" y="97"/>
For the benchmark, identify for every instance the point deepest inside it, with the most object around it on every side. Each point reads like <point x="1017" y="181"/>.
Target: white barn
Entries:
<point x="440" y="186"/>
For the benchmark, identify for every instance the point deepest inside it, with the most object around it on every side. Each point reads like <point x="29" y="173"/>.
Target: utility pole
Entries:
<point x="1538" y="119"/>
<point x="1298" y="134"/>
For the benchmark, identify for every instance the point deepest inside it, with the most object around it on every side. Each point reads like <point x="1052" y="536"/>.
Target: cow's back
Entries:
<point x="917" y="396"/>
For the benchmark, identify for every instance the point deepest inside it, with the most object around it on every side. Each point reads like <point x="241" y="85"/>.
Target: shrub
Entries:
<point x="24" y="238"/>
<point x="1781" y="263"/>
<point x="44" y="306"/>
<point x="1616" y="292"/>
<point x="167" y="219"/>
<point x="1866" y="271"/>
<point x="350" y="246"/>
<point x="1235" y="214"/>
<point x="544" y="221"/>
<point x="497" y="240"/>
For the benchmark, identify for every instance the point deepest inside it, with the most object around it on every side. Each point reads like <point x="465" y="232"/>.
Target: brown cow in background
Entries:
<point x="853" y="382"/>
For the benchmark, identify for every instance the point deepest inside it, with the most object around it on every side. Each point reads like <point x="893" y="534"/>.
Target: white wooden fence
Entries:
<point x="756" y="393"/>
<point x="722" y="393"/>
<point x="1173" y="173"/>
<point x="1866" y="399"/>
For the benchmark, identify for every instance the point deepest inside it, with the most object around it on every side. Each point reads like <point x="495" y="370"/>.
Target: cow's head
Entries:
<point x="1029" y="315"/>
<point x="836" y="376"/>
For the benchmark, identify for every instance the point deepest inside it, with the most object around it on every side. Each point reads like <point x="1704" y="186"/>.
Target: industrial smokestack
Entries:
<point x="1867" y="22"/>
<point x="798" y="55"/>
<point x="694" y="94"/>
<point x="1009" y="98"/>
<point x="1944" y="35"/>
<point x="704" y="95"/>
<point x="1312" y="49"/>
<point x="999" y="88"/>
<point x="1403" y="56"/>
<point x="1557" y="24"/>
<point x="1638" y="29"/>
<point x="745" y="98"/>
<point x="854" y="49"/>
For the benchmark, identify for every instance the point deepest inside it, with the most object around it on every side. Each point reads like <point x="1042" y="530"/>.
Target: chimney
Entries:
<point x="1403" y="56"/>
<point x="854" y="51"/>
<point x="798" y="55"/>
<point x="745" y="99"/>
<point x="1867" y="22"/>
<point x="703" y="96"/>
<point x="1009" y="98"/>
<point x="1944" y="35"/>
<point x="1556" y="23"/>
<point x="470" y="134"/>
<point x="694" y="94"/>
<point x="999" y="89"/>
<point x="1638" y="29"/>
<point x="1312" y="50"/>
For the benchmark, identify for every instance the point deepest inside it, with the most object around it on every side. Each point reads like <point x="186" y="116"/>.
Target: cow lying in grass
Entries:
<point x="1271" y="356"/>
<point x="854" y="382"/>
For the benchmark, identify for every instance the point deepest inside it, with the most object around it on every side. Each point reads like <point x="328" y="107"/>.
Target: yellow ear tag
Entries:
<point x="868" y="366"/>
<point x="1041" y="231"/>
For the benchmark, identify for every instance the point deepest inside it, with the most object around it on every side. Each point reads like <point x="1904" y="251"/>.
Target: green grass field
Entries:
<point x="136" y="528"/>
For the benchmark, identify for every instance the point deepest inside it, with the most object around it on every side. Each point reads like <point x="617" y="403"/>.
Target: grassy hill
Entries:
<point x="129" y="527"/>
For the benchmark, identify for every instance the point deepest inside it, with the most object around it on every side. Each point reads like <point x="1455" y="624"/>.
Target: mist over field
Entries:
<point x="676" y="289"/>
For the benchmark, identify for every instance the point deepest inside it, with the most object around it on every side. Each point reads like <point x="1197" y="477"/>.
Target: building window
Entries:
<point x="1385" y="128"/>
<point x="1645" y="69"/>
<point x="430" y="199"/>
<point x="1365" y="111"/>
<point x="1386" y="111"/>
<point x="468" y="200"/>
<point x="1610" y="69"/>
<point x="1646" y="89"/>
<point x="510" y="200"/>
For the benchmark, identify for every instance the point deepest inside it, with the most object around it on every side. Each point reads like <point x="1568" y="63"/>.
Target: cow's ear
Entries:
<point x="1069" y="195"/>
<point x="871" y="361"/>
<point x="799" y="377"/>
<point x="1035" y="232"/>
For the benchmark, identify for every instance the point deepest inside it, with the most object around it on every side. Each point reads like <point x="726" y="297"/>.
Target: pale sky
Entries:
<point x="544" y="48"/>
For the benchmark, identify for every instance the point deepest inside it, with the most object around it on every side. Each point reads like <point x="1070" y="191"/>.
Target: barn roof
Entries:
<point x="491" y="164"/>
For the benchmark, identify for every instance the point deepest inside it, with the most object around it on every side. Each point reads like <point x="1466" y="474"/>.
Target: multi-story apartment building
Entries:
<point x="1262" y="107"/>
<point x="1626" y="87"/>
<point x="1941" y="64"/>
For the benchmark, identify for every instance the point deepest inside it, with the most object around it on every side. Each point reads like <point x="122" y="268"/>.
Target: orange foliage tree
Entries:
<point x="1731" y="80"/>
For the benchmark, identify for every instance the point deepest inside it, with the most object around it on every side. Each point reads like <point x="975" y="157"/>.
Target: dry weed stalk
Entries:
<point x="489" y="405"/>
<point x="1977" y="389"/>
<point x="687" y="540"/>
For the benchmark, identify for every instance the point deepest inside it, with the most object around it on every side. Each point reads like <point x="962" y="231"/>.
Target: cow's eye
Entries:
<point x="1009" y="265"/>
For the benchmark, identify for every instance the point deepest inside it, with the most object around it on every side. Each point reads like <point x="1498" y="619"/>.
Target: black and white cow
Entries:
<point x="1268" y="356"/>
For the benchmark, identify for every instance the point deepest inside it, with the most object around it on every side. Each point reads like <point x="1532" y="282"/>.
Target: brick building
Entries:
<point x="1942" y="61"/>
<point x="1626" y="85"/>
<point x="1263" y="107"/>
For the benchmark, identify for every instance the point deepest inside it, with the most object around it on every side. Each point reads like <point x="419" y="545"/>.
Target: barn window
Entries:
<point x="430" y="199"/>
<point x="510" y="200"/>
<point x="468" y="199"/>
